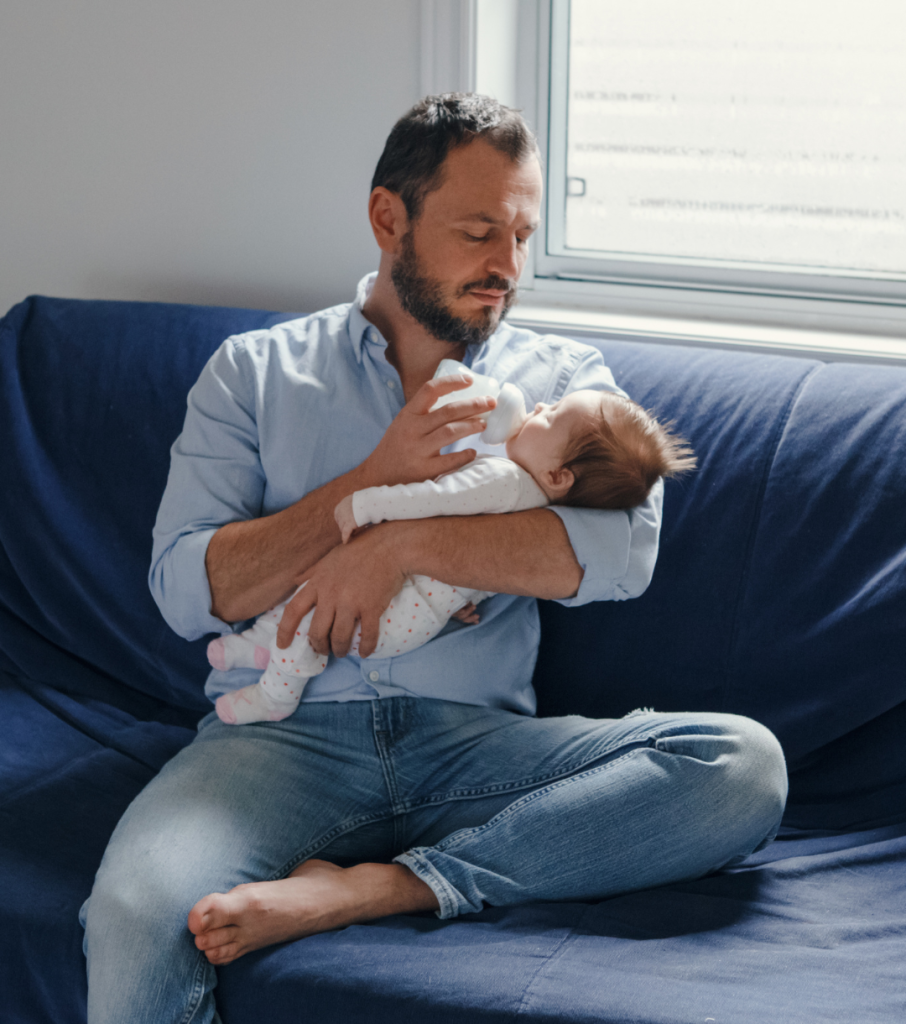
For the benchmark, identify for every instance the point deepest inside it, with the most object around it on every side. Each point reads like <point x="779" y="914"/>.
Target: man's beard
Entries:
<point x="423" y="299"/>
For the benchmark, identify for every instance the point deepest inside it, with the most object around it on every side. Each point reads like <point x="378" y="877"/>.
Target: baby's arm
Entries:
<point x="486" y="485"/>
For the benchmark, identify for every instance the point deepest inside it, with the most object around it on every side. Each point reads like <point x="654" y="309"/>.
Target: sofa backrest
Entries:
<point x="92" y="395"/>
<point x="780" y="591"/>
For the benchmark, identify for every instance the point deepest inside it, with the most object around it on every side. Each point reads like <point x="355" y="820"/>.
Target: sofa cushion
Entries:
<point x="92" y="395"/>
<point x="69" y="767"/>
<point x="808" y="930"/>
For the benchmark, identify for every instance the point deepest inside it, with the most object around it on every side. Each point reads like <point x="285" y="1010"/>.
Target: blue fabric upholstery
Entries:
<point x="795" y="938"/>
<point x="780" y="593"/>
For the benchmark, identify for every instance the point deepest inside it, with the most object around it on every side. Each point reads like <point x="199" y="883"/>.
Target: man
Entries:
<point x="421" y="782"/>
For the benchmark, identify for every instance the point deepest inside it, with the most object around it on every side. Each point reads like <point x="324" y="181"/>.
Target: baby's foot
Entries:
<point x="252" y="704"/>
<point x="228" y="652"/>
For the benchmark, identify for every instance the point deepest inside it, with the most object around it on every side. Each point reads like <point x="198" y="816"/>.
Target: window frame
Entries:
<point x="686" y="288"/>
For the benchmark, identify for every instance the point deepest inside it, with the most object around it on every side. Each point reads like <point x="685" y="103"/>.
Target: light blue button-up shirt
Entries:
<point x="278" y="413"/>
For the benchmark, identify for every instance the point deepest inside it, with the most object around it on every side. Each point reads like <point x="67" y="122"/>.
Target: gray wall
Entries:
<point x="211" y="151"/>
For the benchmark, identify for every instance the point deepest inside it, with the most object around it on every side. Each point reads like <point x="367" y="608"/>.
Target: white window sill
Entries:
<point x="817" y="344"/>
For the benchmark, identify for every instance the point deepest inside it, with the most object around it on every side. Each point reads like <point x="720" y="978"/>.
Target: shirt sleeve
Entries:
<point x="485" y="485"/>
<point x="617" y="550"/>
<point x="215" y="478"/>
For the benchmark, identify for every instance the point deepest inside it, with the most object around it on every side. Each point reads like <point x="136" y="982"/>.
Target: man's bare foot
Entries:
<point x="316" y="897"/>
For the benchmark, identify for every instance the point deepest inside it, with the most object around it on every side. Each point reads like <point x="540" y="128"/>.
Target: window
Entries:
<point x="722" y="157"/>
<point x="717" y="162"/>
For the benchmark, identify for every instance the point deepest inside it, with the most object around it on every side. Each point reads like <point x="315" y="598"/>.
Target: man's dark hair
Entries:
<point x="420" y="141"/>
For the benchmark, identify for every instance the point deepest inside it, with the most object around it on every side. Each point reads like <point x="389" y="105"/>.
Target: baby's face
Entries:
<point x="541" y="442"/>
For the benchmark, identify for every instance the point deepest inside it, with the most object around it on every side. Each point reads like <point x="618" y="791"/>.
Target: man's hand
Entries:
<point x="410" y="449"/>
<point x="353" y="582"/>
<point x="253" y="564"/>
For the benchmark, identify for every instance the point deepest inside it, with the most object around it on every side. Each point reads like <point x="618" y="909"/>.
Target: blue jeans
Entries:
<point x="485" y="806"/>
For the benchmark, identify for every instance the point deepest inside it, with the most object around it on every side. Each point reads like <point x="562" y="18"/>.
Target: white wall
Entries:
<point x="211" y="151"/>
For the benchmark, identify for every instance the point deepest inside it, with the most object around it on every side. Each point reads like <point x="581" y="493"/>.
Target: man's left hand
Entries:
<point x="352" y="583"/>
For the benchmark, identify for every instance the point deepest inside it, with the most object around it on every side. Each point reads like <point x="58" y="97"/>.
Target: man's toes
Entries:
<point x="222" y="954"/>
<point x="216" y="937"/>
<point x="208" y="913"/>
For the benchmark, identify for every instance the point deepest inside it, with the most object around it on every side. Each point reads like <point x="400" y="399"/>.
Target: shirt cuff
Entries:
<point x="601" y="542"/>
<point x="179" y="583"/>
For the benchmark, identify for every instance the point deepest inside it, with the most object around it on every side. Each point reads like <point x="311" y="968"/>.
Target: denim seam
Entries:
<point x="463" y="835"/>
<point x="197" y="989"/>
<point x="327" y="838"/>
<point x="381" y="734"/>
<point x="560" y="778"/>
<point x="561" y="774"/>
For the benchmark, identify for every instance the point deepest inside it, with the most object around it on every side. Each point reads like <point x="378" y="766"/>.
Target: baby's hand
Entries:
<point x="468" y="614"/>
<point x="345" y="518"/>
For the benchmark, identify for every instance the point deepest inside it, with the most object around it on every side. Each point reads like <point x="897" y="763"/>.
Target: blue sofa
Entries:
<point x="780" y="593"/>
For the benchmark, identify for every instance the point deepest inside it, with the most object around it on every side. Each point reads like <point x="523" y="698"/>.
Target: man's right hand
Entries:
<point x="253" y="564"/>
<point x="410" y="449"/>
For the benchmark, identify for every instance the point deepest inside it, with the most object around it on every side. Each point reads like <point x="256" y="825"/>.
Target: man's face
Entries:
<point x="459" y="263"/>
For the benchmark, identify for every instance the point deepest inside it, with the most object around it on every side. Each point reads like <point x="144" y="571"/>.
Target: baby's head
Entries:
<point x="596" y="449"/>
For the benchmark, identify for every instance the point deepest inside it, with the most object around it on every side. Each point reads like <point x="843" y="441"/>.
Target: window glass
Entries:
<point x="769" y="133"/>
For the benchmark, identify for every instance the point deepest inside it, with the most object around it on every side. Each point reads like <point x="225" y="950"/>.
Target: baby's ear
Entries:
<point x="558" y="482"/>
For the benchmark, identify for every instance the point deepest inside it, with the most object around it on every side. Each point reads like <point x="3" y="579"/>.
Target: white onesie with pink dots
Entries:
<point x="416" y="614"/>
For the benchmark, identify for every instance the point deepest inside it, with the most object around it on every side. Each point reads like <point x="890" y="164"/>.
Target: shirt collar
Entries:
<point x="359" y="326"/>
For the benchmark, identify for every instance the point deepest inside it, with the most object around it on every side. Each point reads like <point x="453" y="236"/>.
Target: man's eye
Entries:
<point x="475" y="238"/>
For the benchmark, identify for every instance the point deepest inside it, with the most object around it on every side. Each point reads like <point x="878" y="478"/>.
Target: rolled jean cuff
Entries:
<point x="451" y="902"/>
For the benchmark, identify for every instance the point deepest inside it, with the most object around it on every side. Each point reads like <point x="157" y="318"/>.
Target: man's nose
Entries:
<point x="507" y="260"/>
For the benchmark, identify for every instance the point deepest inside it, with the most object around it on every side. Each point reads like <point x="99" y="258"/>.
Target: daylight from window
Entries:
<point x="769" y="133"/>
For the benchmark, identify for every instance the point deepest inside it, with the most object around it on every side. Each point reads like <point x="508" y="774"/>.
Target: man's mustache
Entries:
<point x="497" y="284"/>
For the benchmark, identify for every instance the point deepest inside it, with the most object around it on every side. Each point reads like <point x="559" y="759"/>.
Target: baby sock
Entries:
<point x="252" y="704"/>
<point x="235" y="651"/>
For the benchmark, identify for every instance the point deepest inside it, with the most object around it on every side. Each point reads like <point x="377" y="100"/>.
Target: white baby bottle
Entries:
<point x="504" y="419"/>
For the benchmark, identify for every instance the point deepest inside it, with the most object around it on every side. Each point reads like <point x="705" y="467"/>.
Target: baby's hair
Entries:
<point x="618" y="458"/>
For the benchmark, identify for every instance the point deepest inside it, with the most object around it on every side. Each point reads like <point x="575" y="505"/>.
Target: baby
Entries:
<point x="592" y="449"/>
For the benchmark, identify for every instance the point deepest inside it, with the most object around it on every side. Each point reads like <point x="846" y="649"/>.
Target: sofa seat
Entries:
<point x="800" y="933"/>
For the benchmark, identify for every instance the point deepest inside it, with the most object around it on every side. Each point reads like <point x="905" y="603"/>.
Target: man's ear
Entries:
<point x="557" y="482"/>
<point x="389" y="220"/>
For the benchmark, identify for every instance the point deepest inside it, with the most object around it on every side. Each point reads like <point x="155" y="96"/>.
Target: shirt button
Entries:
<point x="391" y="384"/>
<point x="374" y="675"/>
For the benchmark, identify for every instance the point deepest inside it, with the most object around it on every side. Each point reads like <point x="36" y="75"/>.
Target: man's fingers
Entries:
<point x="449" y="433"/>
<point x="320" y="629"/>
<point x="369" y="638"/>
<point x="293" y="614"/>
<point x="341" y="634"/>
<point x="467" y="409"/>
<point x="436" y="388"/>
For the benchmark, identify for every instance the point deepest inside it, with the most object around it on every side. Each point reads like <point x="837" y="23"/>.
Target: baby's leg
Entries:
<point x="249" y="649"/>
<point x="276" y="695"/>
<point x="417" y="614"/>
